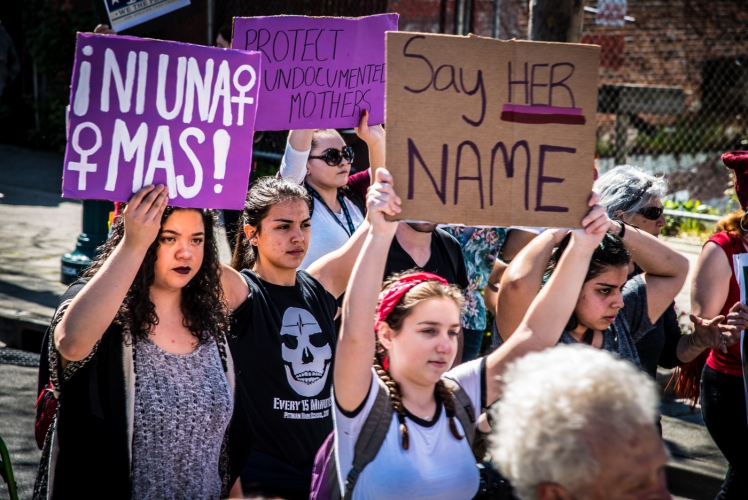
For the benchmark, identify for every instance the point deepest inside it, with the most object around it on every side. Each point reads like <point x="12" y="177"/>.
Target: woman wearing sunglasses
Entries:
<point x="321" y="161"/>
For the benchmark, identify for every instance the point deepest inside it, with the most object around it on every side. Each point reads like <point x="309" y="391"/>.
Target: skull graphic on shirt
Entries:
<point x="306" y="351"/>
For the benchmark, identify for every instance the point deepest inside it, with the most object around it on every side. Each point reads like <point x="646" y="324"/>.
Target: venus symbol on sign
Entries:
<point x="243" y="89"/>
<point x="82" y="166"/>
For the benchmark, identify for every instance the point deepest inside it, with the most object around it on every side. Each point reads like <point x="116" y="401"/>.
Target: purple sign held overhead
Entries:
<point x="151" y="112"/>
<point x="317" y="72"/>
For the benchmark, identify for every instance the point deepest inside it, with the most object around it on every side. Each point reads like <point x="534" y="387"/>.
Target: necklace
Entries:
<point x="351" y="227"/>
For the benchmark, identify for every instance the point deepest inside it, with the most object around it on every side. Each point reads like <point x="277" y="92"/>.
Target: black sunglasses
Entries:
<point x="334" y="157"/>
<point x="651" y="213"/>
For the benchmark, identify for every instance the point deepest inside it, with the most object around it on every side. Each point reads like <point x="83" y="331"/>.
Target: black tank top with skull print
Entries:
<point x="282" y="341"/>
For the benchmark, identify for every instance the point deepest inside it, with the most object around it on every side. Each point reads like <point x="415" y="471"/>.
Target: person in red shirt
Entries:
<point x="715" y="291"/>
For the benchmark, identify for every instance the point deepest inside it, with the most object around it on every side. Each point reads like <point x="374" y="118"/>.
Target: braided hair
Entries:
<point x="419" y="293"/>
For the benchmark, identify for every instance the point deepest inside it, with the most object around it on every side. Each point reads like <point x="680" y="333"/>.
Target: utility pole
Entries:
<point x="556" y="20"/>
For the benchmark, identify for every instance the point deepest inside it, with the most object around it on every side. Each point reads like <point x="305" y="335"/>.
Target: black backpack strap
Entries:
<point x="371" y="437"/>
<point x="463" y="409"/>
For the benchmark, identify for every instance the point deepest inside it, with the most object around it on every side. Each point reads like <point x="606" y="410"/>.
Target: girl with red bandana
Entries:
<point x="425" y="453"/>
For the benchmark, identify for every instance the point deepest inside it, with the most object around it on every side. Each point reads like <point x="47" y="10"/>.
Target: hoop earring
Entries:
<point x="742" y="224"/>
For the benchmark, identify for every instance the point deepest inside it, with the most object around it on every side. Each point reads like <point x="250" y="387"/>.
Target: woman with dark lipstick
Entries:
<point x="139" y="365"/>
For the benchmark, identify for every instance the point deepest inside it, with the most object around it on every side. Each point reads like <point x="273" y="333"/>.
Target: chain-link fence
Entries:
<point x="673" y="79"/>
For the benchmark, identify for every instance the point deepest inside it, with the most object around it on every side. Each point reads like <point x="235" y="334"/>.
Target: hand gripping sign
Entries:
<point x="317" y="72"/>
<point x="151" y="112"/>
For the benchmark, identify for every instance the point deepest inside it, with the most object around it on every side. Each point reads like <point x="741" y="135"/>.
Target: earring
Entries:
<point x="742" y="223"/>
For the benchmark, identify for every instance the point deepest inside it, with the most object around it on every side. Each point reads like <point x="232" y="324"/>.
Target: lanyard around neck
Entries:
<point x="351" y="228"/>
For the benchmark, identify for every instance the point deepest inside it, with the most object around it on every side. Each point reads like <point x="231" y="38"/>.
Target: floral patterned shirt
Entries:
<point x="480" y="247"/>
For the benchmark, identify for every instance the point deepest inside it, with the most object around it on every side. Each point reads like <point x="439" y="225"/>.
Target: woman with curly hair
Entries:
<point x="139" y="365"/>
<point x="425" y="453"/>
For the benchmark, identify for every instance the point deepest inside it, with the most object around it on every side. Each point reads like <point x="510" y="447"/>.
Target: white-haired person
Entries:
<point x="425" y="453"/>
<point x="577" y="423"/>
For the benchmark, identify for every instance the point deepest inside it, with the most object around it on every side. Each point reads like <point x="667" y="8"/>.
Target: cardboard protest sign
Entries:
<point x="489" y="132"/>
<point x="317" y="72"/>
<point x="148" y="112"/>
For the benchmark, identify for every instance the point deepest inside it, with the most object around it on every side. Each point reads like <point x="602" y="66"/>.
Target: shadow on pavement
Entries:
<point x="42" y="297"/>
<point x="15" y="195"/>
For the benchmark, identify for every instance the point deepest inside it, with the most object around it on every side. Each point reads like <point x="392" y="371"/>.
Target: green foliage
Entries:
<point x="605" y="149"/>
<point x="51" y="26"/>
<point x="693" y="133"/>
<point x="265" y="169"/>
<point x="681" y="226"/>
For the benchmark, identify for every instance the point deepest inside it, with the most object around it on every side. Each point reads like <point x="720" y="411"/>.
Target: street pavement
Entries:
<point x="37" y="227"/>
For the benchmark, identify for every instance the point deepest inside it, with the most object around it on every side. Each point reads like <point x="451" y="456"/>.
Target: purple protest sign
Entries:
<point x="151" y="112"/>
<point x="317" y="72"/>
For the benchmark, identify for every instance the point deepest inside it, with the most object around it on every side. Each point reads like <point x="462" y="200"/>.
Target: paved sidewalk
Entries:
<point x="37" y="227"/>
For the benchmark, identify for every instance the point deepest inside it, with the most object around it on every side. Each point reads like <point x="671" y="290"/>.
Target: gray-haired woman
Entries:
<point x="633" y="196"/>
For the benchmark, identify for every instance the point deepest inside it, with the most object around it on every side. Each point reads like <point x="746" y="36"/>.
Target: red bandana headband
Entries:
<point x="399" y="288"/>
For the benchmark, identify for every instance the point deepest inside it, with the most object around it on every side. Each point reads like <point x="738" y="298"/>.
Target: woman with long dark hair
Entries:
<point x="283" y="339"/>
<point x="600" y="318"/>
<point x="138" y="360"/>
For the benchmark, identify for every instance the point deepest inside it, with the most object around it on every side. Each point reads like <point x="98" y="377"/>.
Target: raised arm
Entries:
<point x="235" y="289"/>
<point x="94" y="308"/>
<point x="293" y="163"/>
<point x="516" y="240"/>
<point x="374" y="137"/>
<point x="522" y="280"/>
<point x="550" y="310"/>
<point x="334" y="269"/>
<point x="665" y="269"/>
<point x="491" y="290"/>
<point x="355" y="350"/>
